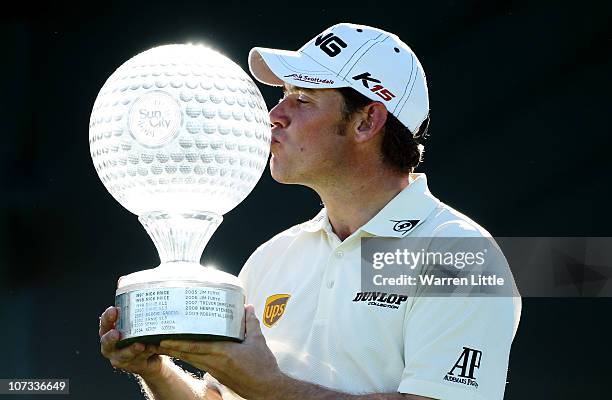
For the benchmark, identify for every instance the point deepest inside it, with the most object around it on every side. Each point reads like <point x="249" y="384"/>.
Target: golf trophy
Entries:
<point x="179" y="135"/>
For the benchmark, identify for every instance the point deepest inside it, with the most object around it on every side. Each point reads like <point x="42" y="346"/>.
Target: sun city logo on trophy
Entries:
<point x="154" y="118"/>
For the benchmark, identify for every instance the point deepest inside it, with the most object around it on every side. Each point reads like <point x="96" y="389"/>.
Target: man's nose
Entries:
<point x="278" y="115"/>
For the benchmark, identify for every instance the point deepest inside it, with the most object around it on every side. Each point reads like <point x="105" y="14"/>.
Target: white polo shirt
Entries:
<point x="303" y="283"/>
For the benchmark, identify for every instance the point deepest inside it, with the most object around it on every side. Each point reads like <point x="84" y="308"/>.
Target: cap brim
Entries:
<point x="276" y="67"/>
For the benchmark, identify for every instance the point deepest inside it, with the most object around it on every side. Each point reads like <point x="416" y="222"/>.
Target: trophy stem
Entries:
<point x="180" y="237"/>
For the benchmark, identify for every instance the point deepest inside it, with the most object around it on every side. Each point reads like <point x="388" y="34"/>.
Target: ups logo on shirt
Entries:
<point x="275" y="308"/>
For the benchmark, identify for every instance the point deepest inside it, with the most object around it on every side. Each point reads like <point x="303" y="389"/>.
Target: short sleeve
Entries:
<point x="458" y="347"/>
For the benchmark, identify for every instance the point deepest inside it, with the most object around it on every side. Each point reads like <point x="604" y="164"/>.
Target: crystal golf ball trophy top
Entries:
<point x="179" y="135"/>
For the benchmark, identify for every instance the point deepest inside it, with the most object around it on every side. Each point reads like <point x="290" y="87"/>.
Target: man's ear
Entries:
<point x="370" y="121"/>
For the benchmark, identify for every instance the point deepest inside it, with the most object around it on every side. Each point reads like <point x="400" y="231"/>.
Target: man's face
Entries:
<point x="308" y="136"/>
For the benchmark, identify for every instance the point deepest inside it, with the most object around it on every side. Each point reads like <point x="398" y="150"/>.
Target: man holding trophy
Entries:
<point x="355" y="104"/>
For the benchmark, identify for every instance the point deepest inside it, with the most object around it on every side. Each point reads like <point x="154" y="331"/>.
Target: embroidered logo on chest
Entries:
<point x="275" y="308"/>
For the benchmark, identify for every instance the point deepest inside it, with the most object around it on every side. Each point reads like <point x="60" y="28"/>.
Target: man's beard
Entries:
<point x="340" y="128"/>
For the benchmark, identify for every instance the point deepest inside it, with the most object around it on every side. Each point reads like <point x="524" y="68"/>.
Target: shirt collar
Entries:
<point x="405" y="211"/>
<point x="400" y="216"/>
<point x="319" y="222"/>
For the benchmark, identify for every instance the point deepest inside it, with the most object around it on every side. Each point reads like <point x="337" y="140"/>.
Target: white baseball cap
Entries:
<point x="375" y="63"/>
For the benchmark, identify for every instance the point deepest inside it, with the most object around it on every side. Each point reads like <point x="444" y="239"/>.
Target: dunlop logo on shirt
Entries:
<point x="275" y="307"/>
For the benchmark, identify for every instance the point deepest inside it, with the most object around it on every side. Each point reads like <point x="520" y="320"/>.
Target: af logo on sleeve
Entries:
<point x="468" y="362"/>
<point x="275" y="308"/>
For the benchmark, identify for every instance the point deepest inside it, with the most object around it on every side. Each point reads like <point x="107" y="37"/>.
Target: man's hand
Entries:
<point x="136" y="358"/>
<point x="249" y="368"/>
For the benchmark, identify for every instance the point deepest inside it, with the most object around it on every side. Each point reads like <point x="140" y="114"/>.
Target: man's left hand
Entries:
<point x="248" y="368"/>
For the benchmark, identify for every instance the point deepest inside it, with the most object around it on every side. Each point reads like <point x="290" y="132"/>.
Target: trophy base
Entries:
<point x="179" y="300"/>
<point x="156" y="339"/>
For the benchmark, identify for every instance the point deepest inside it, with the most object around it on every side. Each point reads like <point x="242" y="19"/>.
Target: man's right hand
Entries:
<point x="136" y="358"/>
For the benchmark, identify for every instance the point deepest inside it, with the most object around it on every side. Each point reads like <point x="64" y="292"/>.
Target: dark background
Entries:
<point x="520" y="142"/>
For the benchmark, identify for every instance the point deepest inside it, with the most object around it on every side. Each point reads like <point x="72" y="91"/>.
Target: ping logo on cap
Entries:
<point x="331" y="44"/>
<point x="275" y="308"/>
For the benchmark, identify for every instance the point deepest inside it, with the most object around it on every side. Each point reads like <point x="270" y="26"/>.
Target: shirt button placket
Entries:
<point x="338" y="255"/>
<point x="328" y="283"/>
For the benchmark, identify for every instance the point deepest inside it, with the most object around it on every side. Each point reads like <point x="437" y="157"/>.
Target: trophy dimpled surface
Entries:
<point x="179" y="128"/>
<point x="179" y="135"/>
